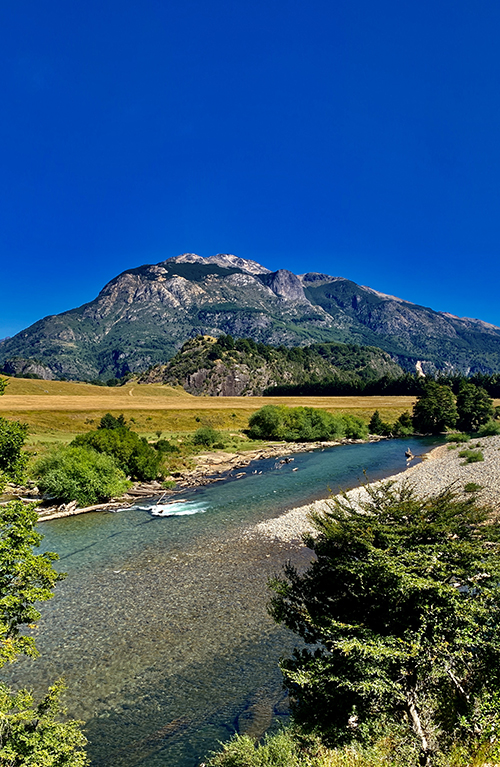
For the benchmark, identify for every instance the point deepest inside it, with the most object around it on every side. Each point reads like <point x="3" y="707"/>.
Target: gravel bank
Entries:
<point x="439" y="469"/>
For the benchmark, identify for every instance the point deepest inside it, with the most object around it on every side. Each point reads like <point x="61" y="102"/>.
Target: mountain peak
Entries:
<point x="226" y="260"/>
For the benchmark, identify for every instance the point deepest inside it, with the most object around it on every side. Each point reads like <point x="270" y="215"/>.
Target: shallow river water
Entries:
<point x="160" y="628"/>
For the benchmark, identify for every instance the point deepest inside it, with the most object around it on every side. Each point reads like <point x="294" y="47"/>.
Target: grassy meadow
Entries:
<point x="58" y="410"/>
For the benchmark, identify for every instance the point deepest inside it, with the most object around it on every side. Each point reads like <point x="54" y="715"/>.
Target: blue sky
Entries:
<point x="351" y="137"/>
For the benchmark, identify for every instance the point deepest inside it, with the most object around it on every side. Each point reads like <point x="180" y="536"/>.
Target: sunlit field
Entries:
<point x="59" y="409"/>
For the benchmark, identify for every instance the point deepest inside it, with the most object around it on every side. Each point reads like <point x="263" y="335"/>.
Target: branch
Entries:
<point x="425" y="751"/>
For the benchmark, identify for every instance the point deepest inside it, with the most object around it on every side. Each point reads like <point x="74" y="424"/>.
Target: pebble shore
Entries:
<point x="440" y="468"/>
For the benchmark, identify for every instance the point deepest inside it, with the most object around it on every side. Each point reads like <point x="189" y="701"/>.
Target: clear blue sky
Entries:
<point x="353" y="137"/>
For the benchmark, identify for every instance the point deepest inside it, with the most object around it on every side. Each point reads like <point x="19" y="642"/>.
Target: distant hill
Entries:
<point x="143" y="316"/>
<point x="225" y="367"/>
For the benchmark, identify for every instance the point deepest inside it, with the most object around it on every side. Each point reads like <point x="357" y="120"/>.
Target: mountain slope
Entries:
<point x="144" y="315"/>
<point x="222" y="367"/>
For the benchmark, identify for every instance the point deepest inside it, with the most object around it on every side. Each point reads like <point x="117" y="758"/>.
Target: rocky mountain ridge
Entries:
<point x="228" y="368"/>
<point x="144" y="315"/>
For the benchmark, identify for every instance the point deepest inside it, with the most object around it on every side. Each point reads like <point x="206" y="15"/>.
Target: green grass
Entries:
<point x="471" y="456"/>
<point x="472" y="487"/>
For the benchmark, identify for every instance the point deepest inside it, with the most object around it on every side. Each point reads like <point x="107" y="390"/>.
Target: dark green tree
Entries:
<point x="403" y="426"/>
<point x="474" y="406"/>
<point x="30" y="733"/>
<point x="3" y="385"/>
<point x="435" y="409"/>
<point x="108" y="421"/>
<point x="132" y="453"/>
<point x="12" y="459"/>
<point x="376" y="424"/>
<point x="401" y="608"/>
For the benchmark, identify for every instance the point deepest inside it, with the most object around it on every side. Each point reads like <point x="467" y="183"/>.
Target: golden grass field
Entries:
<point x="61" y="409"/>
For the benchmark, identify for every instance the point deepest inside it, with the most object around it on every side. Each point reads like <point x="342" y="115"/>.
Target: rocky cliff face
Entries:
<point x="224" y="368"/>
<point x="143" y="316"/>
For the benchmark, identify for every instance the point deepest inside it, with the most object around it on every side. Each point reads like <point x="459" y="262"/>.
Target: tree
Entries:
<point x="131" y="452"/>
<point x="3" y="385"/>
<point x="12" y="460"/>
<point x="30" y="733"/>
<point x="474" y="406"/>
<point x="435" y="409"/>
<point x="109" y="421"/>
<point x="402" y="609"/>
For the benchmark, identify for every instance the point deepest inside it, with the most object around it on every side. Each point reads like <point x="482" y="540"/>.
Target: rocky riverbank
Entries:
<point x="440" y="468"/>
<point x="210" y="467"/>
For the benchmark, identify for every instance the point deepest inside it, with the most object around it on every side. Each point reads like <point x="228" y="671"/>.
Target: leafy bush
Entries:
<point x="79" y="474"/>
<point x="303" y="424"/>
<point x="169" y="484"/>
<point x="132" y="453"/>
<point x="378" y="426"/>
<point x="280" y="750"/>
<point x="489" y="429"/>
<point x="164" y="446"/>
<point x="404" y="425"/>
<point x="457" y="437"/>
<point x="207" y="436"/>
<point x="471" y="456"/>
<point x="33" y="735"/>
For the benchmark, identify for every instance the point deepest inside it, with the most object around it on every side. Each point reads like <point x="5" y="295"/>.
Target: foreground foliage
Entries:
<point x="401" y="608"/>
<point x="31" y="734"/>
<point x="25" y="578"/>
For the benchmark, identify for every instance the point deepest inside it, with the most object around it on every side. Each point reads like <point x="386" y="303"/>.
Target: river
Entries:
<point x="160" y="628"/>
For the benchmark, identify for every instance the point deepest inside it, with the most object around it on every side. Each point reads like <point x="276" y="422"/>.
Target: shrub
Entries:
<point x="489" y="429"/>
<point x="207" y="436"/>
<point x="404" y="425"/>
<point x="457" y="437"/>
<point x="303" y="424"/>
<point x="169" y="484"/>
<point x="132" y="453"/>
<point x="280" y="750"/>
<point x="164" y="446"/>
<point x="471" y="456"/>
<point x="79" y="474"/>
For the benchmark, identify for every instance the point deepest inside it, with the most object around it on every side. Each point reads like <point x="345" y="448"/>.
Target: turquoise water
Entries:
<point x="161" y="629"/>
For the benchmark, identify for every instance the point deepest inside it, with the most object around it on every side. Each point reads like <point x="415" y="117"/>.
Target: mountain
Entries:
<point x="224" y="367"/>
<point x="143" y="316"/>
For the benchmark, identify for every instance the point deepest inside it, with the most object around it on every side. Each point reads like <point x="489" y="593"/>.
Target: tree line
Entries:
<point x="408" y="384"/>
